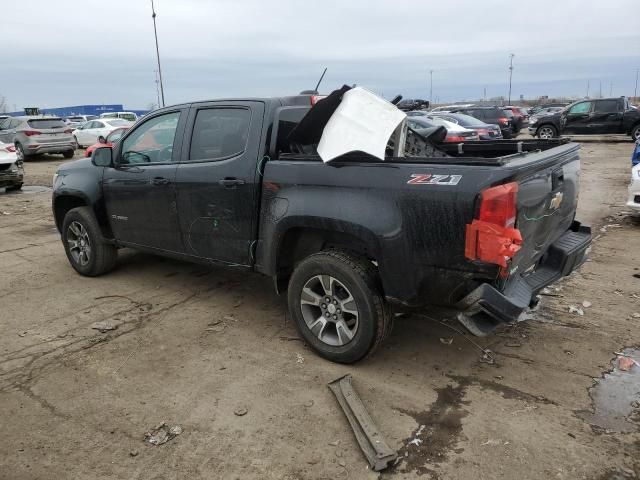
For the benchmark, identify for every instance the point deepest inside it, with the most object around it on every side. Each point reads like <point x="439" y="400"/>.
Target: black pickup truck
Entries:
<point x="479" y="228"/>
<point x="590" y="117"/>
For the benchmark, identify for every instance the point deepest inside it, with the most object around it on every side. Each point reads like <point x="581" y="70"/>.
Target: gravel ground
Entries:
<point x="194" y="344"/>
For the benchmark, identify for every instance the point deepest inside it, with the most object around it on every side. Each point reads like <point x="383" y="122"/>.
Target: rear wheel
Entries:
<point x="68" y="154"/>
<point x="546" y="132"/>
<point x="14" y="188"/>
<point x="336" y="303"/>
<point x="86" y="249"/>
<point x="635" y="133"/>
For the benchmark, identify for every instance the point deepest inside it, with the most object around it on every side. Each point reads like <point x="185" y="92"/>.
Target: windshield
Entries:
<point x="117" y="122"/>
<point x="47" y="123"/>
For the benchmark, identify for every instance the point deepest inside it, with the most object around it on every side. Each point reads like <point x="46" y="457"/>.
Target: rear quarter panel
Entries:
<point x="415" y="231"/>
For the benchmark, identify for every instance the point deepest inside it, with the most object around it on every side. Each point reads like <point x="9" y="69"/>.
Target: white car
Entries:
<point x="130" y="116"/>
<point x="11" y="169"/>
<point x="634" y="189"/>
<point x="89" y="133"/>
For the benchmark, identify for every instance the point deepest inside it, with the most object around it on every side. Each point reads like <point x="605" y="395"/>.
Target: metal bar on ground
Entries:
<point x="372" y="443"/>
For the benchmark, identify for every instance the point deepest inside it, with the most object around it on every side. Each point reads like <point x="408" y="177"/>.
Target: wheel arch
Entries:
<point x="299" y="241"/>
<point x="66" y="202"/>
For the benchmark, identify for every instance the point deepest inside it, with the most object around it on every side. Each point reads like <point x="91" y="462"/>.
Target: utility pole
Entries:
<point x="635" y="91"/>
<point x="155" y="31"/>
<point x="431" y="87"/>
<point x="587" y="96"/>
<point x="600" y="93"/>
<point x="611" y="89"/>
<point x="484" y="94"/>
<point x="511" y="55"/>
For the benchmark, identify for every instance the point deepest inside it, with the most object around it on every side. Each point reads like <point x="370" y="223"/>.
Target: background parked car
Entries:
<point x="90" y="132"/>
<point x="129" y="116"/>
<point x="536" y="108"/>
<point x="535" y="118"/>
<point x="35" y="135"/>
<point x="11" y="167"/>
<point x="493" y="115"/>
<point x="634" y="190"/>
<point x="520" y="117"/>
<point x="409" y="104"/>
<point x="76" y="120"/>
<point x="450" y="108"/>
<point x="484" y="130"/>
<point x="113" y="137"/>
<point x="601" y="116"/>
<point x="455" y="133"/>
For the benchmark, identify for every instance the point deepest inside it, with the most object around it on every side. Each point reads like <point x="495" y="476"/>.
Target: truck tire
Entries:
<point x="635" y="133"/>
<point x="546" y="132"/>
<point x="88" y="253"/>
<point x="337" y="305"/>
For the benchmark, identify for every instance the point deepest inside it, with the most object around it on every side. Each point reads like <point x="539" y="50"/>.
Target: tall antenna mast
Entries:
<point x="155" y="31"/>
<point x="320" y="81"/>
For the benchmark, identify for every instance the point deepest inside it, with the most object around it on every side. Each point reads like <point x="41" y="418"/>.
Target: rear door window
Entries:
<point x="46" y="123"/>
<point x="219" y="133"/>
<point x="607" y="106"/>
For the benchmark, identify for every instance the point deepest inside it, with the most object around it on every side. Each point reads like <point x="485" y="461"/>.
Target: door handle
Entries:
<point x="230" y="182"/>
<point x="160" y="181"/>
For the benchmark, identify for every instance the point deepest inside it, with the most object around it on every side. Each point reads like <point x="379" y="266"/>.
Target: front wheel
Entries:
<point x="546" y="132"/>
<point x="635" y="133"/>
<point x="86" y="249"/>
<point x="335" y="300"/>
<point x="14" y="187"/>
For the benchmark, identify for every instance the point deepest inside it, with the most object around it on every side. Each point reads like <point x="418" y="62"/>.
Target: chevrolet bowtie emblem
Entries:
<point x="555" y="202"/>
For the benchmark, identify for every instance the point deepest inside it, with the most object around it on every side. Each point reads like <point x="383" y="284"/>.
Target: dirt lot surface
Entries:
<point x="193" y="345"/>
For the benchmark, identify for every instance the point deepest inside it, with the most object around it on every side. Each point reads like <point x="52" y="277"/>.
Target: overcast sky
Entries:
<point x="71" y="52"/>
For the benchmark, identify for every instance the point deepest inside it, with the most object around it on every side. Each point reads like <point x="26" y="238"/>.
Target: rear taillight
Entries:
<point x="492" y="237"/>
<point x="454" y="138"/>
<point x="31" y="133"/>
<point x="504" y="120"/>
<point x="498" y="205"/>
<point x="10" y="148"/>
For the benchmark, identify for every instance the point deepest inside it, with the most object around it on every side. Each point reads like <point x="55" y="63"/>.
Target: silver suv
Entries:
<point x="35" y="135"/>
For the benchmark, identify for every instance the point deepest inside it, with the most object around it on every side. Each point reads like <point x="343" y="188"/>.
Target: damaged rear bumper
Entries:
<point x="486" y="307"/>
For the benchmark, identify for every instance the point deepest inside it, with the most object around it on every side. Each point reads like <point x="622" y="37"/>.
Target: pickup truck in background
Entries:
<point x="477" y="227"/>
<point x="590" y="117"/>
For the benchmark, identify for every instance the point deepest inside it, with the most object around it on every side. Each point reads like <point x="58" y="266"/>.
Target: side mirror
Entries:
<point x="102" y="157"/>
<point x="101" y="139"/>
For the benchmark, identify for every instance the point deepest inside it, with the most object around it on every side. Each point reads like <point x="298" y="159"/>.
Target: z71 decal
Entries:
<point x="428" y="179"/>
